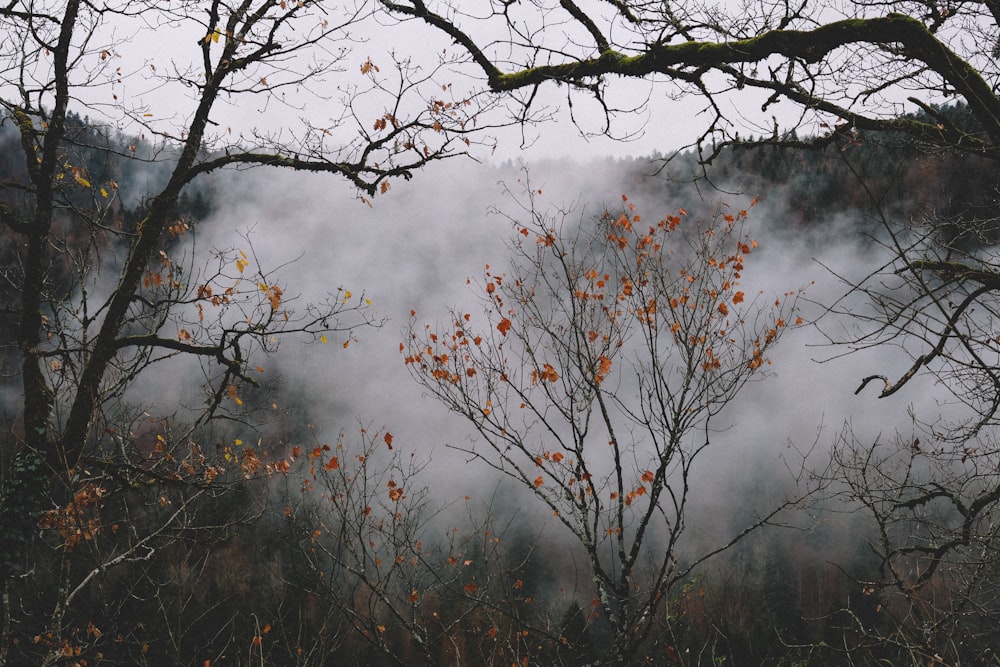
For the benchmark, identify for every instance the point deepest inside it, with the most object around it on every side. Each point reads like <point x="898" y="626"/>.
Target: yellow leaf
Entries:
<point x="83" y="181"/>
<point x="215" y="36"/>
<point x="104" y="193"/>
<point x="323" y="339"/>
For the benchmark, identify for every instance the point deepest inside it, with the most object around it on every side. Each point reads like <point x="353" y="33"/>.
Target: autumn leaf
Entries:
<point x="604" y="367"/>
<point x="738" y="297"/>
<point x="539" y="481"/>
<point x="388" y="440"/>
<point x="546" y="373"/>
<point x="504" y="326"/>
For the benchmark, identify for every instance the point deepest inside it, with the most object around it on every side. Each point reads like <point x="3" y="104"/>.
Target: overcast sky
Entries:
<point x="654" y="117"/>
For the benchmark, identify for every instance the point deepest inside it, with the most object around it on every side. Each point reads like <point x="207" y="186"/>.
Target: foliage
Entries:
<point x="108" y="293"/>
<point x="143" y="525"/>
<point x="841" y="78"/>
<point x="606" y="355"/>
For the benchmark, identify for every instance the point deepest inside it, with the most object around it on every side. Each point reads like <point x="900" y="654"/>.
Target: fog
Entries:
<point x="417" y="246"/>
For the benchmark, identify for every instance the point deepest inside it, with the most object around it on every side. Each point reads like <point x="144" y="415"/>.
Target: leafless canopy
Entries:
<point x="824" y="67"/>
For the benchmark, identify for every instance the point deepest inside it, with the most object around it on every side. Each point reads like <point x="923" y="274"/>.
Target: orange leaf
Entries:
<point x="504" y="326"/>
<point x="539" y="481"/>
<point x="388" y="440"/>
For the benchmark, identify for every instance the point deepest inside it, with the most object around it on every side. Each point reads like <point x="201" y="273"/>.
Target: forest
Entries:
<point x="726" y="403"/>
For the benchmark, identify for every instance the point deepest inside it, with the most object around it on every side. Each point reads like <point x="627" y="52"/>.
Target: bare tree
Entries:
<point x="856" y="67"/>
<point x="833" y="77"/>
<point x="364" y="547"/>
<point x="930" y="505"/>
<point x="930" y="494"/>
<point x="594" y="377"/>
<point x="93" y="299"/>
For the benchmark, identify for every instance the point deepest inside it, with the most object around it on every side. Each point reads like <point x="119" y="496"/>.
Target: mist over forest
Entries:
<point x="327" y="337"/>
<point x="338" y="432"/>
<point x="792" y="589"/>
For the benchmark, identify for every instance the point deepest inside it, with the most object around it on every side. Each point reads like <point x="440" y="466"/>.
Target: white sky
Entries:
<point x="662" y="121"/>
